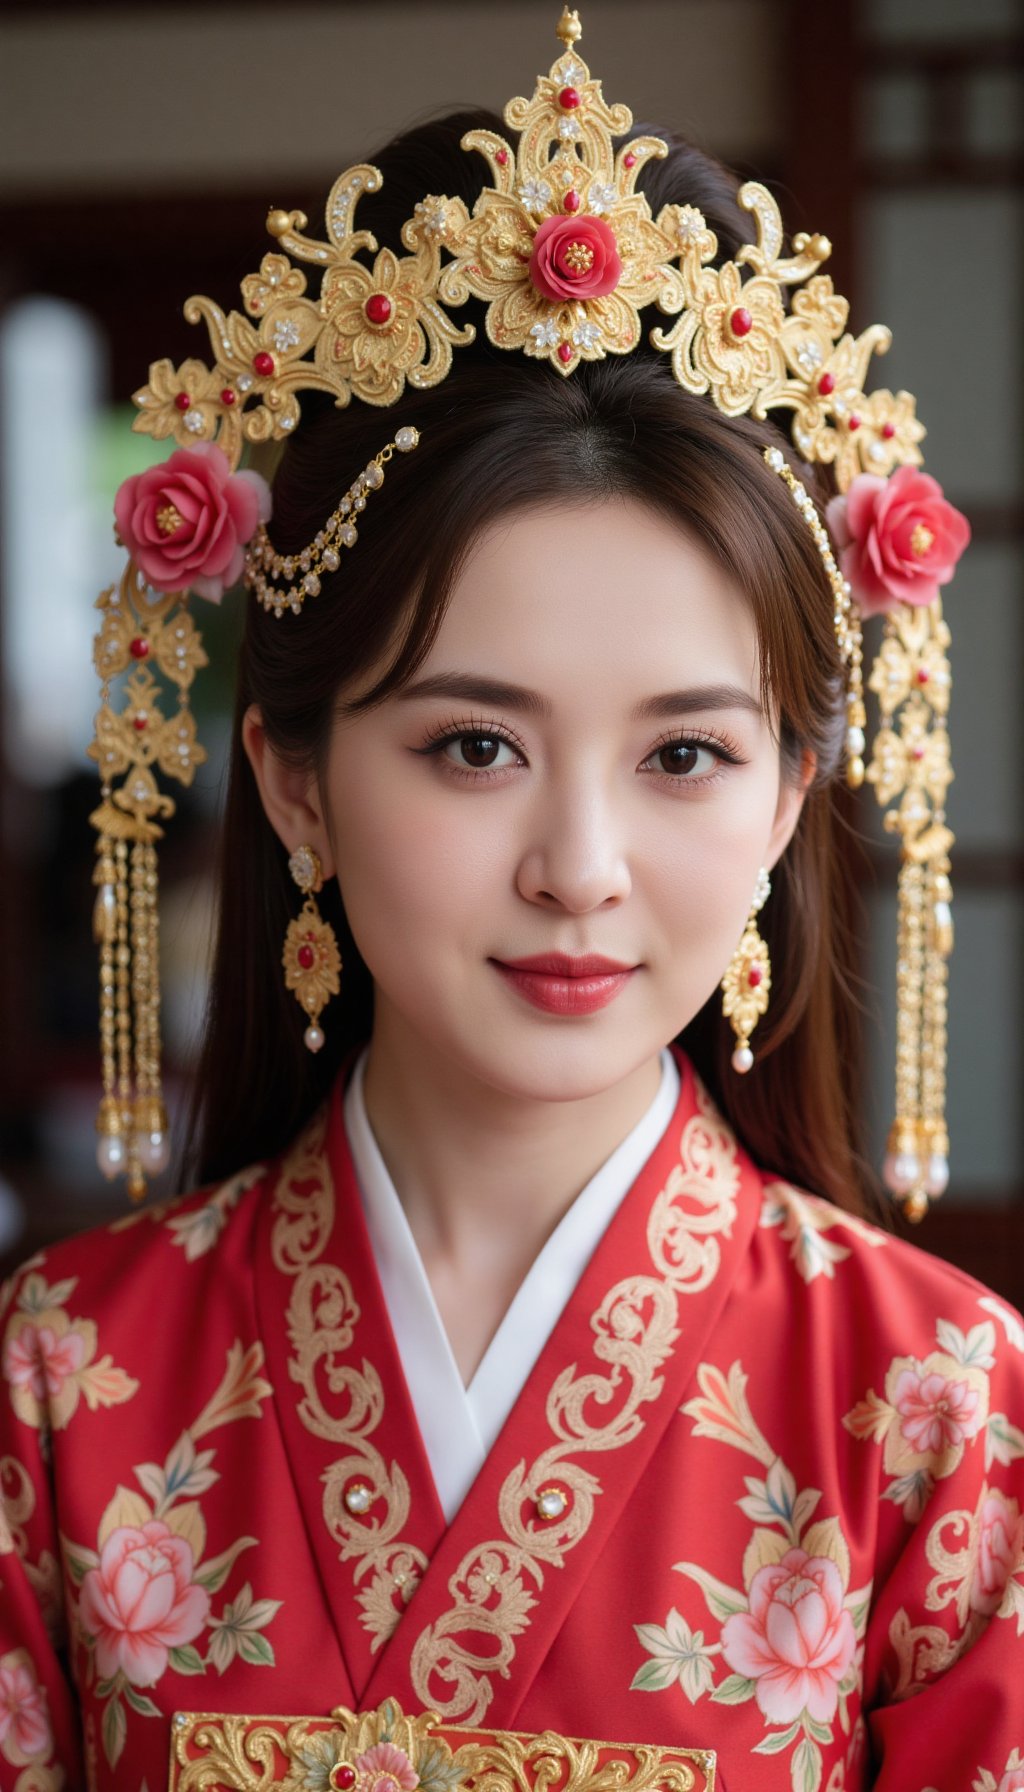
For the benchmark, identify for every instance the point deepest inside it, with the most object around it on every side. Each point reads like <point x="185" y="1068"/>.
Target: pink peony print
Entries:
<point x="385" y="1768"/>
<point x="24" y="1724"/>
<point x="140" y="1602"/>
<point x="1012" y="1781"/>
<point x="1000" y="1553"/>
<point x="796" y="1641"/>
<point x="185" y="522"/>
<point x="37" y="1359"/>
<point x="936" y="1412"/>
<point x="575" y="258"/>
<point x="898" y="539"/>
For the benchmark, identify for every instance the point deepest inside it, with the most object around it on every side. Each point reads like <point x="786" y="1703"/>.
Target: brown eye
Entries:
<point x="680" y="758"/>
<point x="477" y="750"/>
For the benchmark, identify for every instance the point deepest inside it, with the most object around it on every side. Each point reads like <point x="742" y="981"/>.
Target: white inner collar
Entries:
<point x="459" y="1424"/>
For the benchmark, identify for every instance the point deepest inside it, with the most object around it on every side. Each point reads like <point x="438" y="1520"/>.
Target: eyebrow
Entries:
<point x="475" y="689"/>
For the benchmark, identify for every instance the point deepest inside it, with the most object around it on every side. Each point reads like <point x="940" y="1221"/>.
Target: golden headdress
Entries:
<point x="565" y="254"/>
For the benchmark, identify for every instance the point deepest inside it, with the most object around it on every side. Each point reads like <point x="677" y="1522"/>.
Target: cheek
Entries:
<point x="703" y="870"/>
<point x="713" y="845"/>
<point x="415" y="862"/>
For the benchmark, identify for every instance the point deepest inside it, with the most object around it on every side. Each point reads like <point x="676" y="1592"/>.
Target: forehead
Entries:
<point x="596" y="597"/>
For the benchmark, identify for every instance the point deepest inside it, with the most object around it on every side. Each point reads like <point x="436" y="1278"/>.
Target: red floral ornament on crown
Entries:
<point x="186" y="523"/>
<point x="575" y="258"/>
<point x="897" y="539"/>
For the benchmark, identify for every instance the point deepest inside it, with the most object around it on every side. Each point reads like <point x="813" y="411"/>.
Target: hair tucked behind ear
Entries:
<point x="501" y="434"/>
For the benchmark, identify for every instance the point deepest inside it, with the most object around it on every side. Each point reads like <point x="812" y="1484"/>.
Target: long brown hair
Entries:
<point x="503" y="434"/>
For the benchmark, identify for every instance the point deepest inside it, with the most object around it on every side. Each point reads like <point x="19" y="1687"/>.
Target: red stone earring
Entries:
<point x="747" y="982"/>
<point x="312" y="962"/>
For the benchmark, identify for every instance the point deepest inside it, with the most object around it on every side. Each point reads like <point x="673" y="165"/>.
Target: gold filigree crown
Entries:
<point x="566" y="254"/>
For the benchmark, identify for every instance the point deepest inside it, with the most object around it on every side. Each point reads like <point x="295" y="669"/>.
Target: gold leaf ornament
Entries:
<point x="311" y="960"/>
<point x="746" y="985"/>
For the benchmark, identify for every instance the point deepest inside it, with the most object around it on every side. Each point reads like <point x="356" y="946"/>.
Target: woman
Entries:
<point x="521" y="1357"/>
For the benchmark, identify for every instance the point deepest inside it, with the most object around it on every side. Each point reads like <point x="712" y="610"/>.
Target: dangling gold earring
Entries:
<point x="312" y="962"/>
<point x="748" y="980"/>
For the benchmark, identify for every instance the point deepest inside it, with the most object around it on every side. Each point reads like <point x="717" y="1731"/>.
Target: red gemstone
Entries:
<point x="572" y="200"/>
<point x="741" y="322"/>
<point x="888" y="431"/>
<point x="853" y="421"/>
<point x="183" y="401"/>
<point x="827" y="384"/>
<point x="139" y="721"/>
<point x="569" y="99"/>
<point x="344" y="1778"/>
<point x="306" y="957"/>
<point x="501" y="158"/>
<point x="227" y="396"/>
<point x="378" y="308"/>
<point x="310" y="935"/>
<point x="565" y="351"/>
<point x="263" y="364"/>
<point x="922" y="675"/>
<point x="755" y="975"/>
<point x="629" y="161"/>
<point x="139" y="648"/>
<point x="918" y="753"/>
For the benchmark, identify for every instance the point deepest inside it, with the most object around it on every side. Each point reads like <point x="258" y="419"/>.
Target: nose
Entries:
<point x="576" y="857"/>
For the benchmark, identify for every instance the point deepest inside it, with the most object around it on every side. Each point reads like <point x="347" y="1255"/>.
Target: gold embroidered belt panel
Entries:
<point x="386" y="1751"/>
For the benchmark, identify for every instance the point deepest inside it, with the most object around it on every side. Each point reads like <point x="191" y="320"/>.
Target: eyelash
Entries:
<point x="723" y="747"/>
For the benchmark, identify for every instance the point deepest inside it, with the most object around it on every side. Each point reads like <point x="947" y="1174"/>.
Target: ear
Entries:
<point x="792" y="792"/>
<point x="290" y="797"/>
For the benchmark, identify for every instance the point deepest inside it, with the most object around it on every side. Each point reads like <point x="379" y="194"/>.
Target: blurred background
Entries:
<point x="140" y="149"/>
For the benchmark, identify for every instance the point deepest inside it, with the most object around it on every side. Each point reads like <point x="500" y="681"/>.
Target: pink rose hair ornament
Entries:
<point x="186" y="523"/>
<point x="569" y="264"/>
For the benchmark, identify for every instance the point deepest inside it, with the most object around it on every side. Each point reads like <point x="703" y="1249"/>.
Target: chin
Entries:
<point x="526" y="1065"/>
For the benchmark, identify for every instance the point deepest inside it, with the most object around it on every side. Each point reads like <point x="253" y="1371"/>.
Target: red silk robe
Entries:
<point x="788" y="1446"/>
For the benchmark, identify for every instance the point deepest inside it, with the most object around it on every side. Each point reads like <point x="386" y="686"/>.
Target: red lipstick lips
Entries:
<point x="561" y="964"/>
<point x="561" y="984"/>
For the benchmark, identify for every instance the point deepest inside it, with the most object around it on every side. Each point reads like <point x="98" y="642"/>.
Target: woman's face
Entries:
<point x="617" y="798"/>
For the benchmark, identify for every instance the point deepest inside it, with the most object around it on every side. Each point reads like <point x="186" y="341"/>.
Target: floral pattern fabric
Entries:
<point x="762" y="1493"/>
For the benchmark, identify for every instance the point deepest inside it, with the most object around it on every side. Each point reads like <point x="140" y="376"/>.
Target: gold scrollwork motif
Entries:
<point x="303" y="1200"/>
<point x="339" y="1402"/>
<point x="497" y="1584"/>
<point x="698" y="1203"/>
<point x="533" y="1763"/>
<point x="210" y="1752"/>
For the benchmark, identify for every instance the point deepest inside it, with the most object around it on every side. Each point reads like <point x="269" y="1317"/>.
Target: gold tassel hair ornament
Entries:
<point x="140" y="637"/>
<point x="564" y="254"/>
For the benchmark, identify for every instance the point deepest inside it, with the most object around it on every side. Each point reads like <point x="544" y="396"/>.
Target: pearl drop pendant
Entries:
<point x="110" y="1155"/>
<point x="900" y="1171"/>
